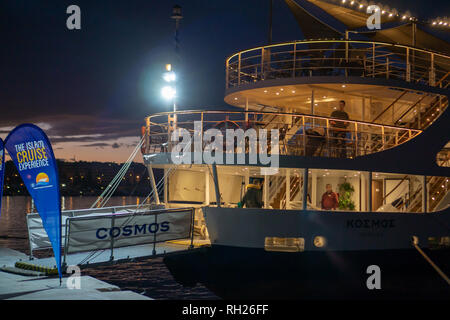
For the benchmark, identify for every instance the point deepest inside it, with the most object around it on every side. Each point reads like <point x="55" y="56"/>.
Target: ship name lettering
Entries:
<point x="370" y="223"/>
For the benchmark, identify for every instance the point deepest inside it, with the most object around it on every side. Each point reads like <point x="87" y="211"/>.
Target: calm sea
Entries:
<point x="150" y="277"/>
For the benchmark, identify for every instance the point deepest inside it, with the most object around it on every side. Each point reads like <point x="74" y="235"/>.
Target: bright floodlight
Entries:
<point x="169" y="76"/>
<point x="168" y="92"/>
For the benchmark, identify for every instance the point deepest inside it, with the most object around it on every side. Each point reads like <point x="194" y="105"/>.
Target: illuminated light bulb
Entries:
<point x="352" y="2"/>
<point x="343" y="1"/>
<point x="361" y="5"/>
<point x="390" y="14"/>
<point x="169" y="76"/>
<point x="235" y="98"/>
<point x="168" y="92"/>
<point x="277" y="93"/>
<point x="434" y="23"/>
<point x="440" y="22"/>
<point x="265" y="91"/>
<point x="383" y="12"/>
<point x="293" y="91"/>
<point x="281" y="89"/>
<point x="343" y="86"/>
<point x="404" y="17"/>
<point x="445" y="24"/>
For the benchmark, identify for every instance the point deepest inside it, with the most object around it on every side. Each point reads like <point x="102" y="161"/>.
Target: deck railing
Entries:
<point x="302" y="135"/>
<point x="337" y="58"/>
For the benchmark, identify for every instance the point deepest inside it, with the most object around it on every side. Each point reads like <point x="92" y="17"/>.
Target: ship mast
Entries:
<point x="270" y="21"/>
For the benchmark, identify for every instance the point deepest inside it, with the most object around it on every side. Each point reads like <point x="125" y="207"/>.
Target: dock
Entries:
<point x="21" y="284"/>
<point x="40" y="287"/>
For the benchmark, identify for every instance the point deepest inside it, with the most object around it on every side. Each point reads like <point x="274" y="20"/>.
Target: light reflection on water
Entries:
<point x="150" y="277"/>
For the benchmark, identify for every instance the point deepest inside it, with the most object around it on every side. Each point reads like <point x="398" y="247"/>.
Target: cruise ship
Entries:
<point x="387" y="235"/>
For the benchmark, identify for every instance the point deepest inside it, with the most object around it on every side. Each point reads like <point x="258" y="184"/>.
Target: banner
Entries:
<point x="2" y="171"/>
<point x="129" y="229"/>
<point x="31" y="152"/>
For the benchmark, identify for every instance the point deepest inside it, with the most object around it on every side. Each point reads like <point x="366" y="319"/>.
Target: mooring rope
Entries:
<point x="435" y="267"/>
<point x="95" y="253"/>
<point x="112" y="186"/>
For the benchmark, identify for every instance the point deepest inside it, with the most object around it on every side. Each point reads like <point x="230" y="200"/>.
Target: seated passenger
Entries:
<point x="330" y="199"/>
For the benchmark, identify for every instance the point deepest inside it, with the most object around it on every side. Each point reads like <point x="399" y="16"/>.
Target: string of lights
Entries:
<point x="393" y="13"/>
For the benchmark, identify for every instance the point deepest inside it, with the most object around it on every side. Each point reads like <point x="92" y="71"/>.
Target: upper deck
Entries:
<point x="376" y="61"/>
<point x="299" y="134"/>
<point x="383" y="83"/>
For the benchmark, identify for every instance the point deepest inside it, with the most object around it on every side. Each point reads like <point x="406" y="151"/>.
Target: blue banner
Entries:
<point x="31" y="152"/>
<point x="2" y="171"/>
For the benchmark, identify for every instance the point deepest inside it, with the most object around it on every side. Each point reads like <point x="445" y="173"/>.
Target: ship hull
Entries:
<point x="242" y="264"/>
<point x="248" y="273"/>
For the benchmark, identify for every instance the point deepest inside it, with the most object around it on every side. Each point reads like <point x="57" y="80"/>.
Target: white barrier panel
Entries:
<point x="38" y="238"/>
<point x="128" y="229"/>
<point x="37" y="235"/>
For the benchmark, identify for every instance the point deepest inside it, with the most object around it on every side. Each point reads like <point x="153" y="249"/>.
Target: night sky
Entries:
<point x="90" y="89"/>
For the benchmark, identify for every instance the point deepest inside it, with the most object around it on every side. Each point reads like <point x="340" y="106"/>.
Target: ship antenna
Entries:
<point x="270" y="21"/>
<point x="177" y="16"/>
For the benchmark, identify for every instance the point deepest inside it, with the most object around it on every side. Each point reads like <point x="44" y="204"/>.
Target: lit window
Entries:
<point x="284" y="244"/>
<point x="439" y="242"/>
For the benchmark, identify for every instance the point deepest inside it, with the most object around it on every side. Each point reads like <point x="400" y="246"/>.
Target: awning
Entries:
<point x="330" y="19"/>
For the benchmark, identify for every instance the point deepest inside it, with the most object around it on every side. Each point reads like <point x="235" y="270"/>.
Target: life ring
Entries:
<point x="143" y="129"/>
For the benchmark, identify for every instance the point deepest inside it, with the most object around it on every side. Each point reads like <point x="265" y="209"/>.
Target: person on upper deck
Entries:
<point x="339" y="134"/>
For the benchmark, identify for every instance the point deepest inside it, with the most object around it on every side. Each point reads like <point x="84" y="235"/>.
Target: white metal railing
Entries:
<point x="298" y="134"/>
<point x="337" y="58"/>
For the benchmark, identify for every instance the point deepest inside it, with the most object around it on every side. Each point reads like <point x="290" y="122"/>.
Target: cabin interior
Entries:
<point x="356" y="190"/>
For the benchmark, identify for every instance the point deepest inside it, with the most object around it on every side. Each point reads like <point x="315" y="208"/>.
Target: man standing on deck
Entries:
<point x="330" y="199"/>
<point x="253" y="195"/>
<point x="338" y="135"/>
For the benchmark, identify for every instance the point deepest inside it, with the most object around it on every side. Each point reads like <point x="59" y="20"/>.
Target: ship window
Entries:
<point x="284" y="244"/>
<point x="439" y="242"/>
<point x="438" y="193"/>
<point x="443" y="156"/>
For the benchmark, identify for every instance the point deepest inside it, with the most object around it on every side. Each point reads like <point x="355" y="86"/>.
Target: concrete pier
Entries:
<point x="37" y="287"/>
